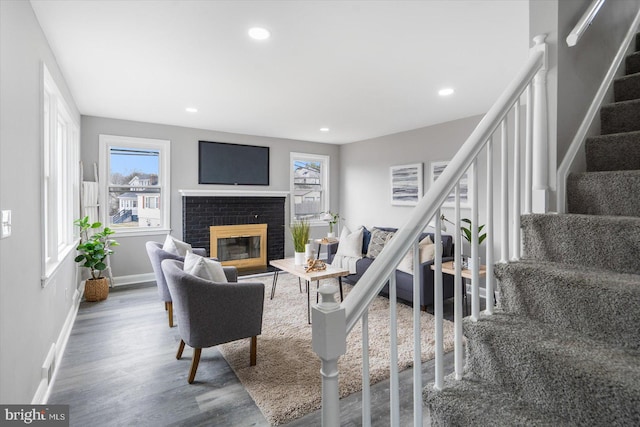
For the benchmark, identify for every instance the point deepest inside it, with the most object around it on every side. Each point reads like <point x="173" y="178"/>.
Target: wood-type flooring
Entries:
<point x="119" y="369"/>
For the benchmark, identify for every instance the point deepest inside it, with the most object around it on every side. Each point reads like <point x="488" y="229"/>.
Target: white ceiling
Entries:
<point x="361" y="68"/>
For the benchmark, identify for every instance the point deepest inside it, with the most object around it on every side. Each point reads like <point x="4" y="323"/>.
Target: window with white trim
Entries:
<point x="134" y="177"/>
<point x="309" y="186"/>
<point x="60" y="175"/>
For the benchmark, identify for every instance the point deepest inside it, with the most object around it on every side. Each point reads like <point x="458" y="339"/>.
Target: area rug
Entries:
<point x="285" y="383"/>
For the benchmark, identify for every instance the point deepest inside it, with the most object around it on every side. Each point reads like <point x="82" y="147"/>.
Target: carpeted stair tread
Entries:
<point x="619" y="151"/>
<point x="585" y="381"/>
<point x="473" y="402"/>
<point x="601" y="304"/>
<point x="627" y="87"/>
<point x="619" y="117"/>
<point x="604" y="193"/>
<point x="608" y="242"/>
<point x="632" y="63"/>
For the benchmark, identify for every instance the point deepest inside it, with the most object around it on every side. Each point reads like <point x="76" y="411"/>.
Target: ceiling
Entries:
<point x="360" y="68"/>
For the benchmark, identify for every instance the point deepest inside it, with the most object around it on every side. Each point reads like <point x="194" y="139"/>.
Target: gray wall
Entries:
<point x="575" y="73"/>
<point x="30" y="317"/>
<point x="130" y="258"/>
<point x="365" y="192"/>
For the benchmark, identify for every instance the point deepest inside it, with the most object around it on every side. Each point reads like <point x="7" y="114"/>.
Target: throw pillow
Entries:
<point x="175" y="246"/>
<point x="378" y="239"/>
<point x="427" y="250"/>
<point x="350" y="243"/>
<point x="205" y="268"/>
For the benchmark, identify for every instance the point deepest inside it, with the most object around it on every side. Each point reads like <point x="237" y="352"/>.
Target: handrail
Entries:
<point x="584" y="22"/>
<point x="332" y="322"/>
<point x="374" y="278"/>
<point x="578" y="141"/>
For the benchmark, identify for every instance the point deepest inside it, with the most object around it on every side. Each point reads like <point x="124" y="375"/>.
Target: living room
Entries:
<point x="359" y="182"/>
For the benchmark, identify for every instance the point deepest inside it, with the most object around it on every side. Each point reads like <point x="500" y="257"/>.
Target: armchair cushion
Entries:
<point x="204" y="268"/>
<point x="175" y="246"/>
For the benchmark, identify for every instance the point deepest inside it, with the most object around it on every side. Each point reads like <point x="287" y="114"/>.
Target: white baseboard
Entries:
<point x="133" y="279"/>
<point x="53" y="358"/>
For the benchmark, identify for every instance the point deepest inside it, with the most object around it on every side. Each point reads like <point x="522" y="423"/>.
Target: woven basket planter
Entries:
<point x="96" y="289"/>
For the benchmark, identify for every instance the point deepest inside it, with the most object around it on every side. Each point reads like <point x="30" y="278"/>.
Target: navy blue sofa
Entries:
<point x="404" y="281"/>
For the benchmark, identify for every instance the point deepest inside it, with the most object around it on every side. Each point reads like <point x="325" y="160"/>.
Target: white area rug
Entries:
<point x="285" y="383"/>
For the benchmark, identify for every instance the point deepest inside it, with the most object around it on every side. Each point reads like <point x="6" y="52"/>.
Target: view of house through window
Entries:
<point x="310" y="185"/>
<point x="133" y="184"/>
<point x="135" y="189"/>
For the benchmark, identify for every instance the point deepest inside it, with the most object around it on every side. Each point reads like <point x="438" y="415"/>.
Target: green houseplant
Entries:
<point x="332" y="219"/>
<point x="300" y="231"/>
<point x="93" y="251"/>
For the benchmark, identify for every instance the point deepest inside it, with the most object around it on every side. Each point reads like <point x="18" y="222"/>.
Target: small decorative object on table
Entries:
<point x="93" y="252"/>
<point x="315" y="265"/>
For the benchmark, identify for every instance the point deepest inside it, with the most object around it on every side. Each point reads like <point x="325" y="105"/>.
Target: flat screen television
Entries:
<point x="232" y="164"/>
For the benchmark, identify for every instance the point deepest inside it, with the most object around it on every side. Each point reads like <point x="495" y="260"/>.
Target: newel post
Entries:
<point x="540" y="190"/>
<point x="329" y="341"/>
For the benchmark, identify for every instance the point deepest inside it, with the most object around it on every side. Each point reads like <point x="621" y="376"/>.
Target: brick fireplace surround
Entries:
<point x="202" y="209"/>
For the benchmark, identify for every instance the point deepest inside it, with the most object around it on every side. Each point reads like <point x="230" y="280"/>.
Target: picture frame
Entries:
<point x="406" y="184"/>
<point x="465" y="185"/>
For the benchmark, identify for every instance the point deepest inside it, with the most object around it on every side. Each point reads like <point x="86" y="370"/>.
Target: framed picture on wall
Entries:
<point x="465" y="184"/>
<point x="406" y="184"/>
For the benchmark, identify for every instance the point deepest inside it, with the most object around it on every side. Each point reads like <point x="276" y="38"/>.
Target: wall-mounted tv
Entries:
<point x="232" y="164"/>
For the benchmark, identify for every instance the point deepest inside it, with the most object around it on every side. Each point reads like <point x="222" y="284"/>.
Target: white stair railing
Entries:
<point x="332" y="321"/>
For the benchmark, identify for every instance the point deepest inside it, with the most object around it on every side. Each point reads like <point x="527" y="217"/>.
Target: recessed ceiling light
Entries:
<point x="445" y="92"/>
<point x="191" y="110"/>
<point x="324" y="129"/>
<point x="259" y="33"/>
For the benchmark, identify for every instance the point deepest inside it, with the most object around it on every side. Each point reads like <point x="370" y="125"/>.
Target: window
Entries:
<point x="134" y="176"/>
<point x="309" y="186"/>
<point x="61" y="176"/>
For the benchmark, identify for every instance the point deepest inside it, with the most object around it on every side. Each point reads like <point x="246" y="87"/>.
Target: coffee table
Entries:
<point x="288" y="265"/>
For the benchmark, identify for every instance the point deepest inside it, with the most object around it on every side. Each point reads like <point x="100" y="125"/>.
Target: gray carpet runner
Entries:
<point x="563" y="347"/>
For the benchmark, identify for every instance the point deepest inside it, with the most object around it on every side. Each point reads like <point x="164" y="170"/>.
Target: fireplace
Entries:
<point x="202" y="209"/>
<point x="243" y="246"/>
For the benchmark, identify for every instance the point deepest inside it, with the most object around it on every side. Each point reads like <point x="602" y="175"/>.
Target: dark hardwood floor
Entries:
<point x="119" y="369"/>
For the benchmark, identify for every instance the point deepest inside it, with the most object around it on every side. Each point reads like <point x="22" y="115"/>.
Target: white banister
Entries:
<point x="437" y="304"/>
<point x="457" y="292"/>
<point x="333" y="321"/>
<point x="475" y="247"/>
<point x="394" y="386"/>
<point x="329" y="342"/>
<point x="528" y="153"/>
<point x="417" y="338"/>
<point x="516" y="183"/>
<point x="489" y="230"/>
<point x="584" y="22"/>
<point x="504" y="192"/>
<point x="540" y="132"/>
<point x="366" y="384"/>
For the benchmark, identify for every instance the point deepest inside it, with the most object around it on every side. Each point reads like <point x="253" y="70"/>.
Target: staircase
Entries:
<point x="563" y="347"/>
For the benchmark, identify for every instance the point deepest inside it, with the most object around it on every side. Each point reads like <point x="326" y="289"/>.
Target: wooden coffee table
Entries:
<point x="288" y="265"/>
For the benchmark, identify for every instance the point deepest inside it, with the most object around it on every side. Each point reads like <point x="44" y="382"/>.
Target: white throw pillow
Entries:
<point x="205" y="268"/>
<point x="175" y="246"/>
<point x="427" y="251"/>
<point x="350" y="243"/>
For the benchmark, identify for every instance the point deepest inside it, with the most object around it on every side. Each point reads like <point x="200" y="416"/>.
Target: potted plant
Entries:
<point x="300" y="231"/>
<point x="466" y="233"/>
<point x="93" y="251"/>
<point x="332" y="219"/>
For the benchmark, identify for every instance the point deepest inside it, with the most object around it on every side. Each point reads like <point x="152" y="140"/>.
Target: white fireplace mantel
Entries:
<point x="232" y="193"/>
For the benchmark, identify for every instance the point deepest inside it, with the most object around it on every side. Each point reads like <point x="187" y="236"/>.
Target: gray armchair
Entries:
<point x="157" y="255"/>
<point x="212" y="313"/>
